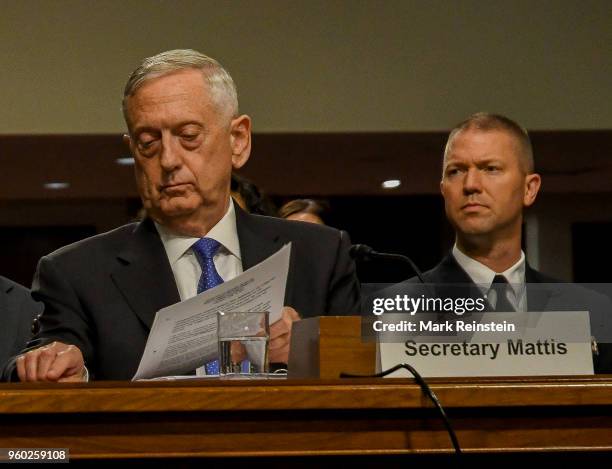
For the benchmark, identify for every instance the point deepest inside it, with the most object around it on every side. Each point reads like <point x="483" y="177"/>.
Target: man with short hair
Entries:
<point x="101" y="294"/>
<point x="488" y="179"/>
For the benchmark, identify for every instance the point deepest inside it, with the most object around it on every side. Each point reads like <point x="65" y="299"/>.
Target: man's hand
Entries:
<point x="280" y="335"/>
<point x="54" y="362"/>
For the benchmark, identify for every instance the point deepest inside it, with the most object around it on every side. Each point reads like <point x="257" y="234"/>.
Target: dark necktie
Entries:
<point x="204" y="250"/>
<point x="500" y="285"/>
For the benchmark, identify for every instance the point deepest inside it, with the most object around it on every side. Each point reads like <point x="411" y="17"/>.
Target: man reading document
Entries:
<point x="101" y="294"/>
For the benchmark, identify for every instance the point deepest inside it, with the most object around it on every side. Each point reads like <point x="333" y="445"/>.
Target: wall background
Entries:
<point x="306" y="68"/>
<point x="311" y="66"/>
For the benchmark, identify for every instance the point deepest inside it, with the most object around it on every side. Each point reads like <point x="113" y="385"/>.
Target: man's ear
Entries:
<point x="532" y="187"/>
<point x="128" y="141"/>
<point x="442" y="187"/>
<point x="240" y="140"/>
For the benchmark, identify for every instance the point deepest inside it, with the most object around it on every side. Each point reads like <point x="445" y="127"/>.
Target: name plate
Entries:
<point x="487" y="344"/>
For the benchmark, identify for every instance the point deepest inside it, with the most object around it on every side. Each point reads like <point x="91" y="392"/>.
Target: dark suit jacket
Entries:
<point x="17" y="311"/>
<point x="101" y="294"/>
<point x="553" y="296"/>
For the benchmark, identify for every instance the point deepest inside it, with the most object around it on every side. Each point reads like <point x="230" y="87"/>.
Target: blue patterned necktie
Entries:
<point x="204" y="250"/>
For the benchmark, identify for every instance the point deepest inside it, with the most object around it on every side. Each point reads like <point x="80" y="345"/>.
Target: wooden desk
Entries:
<point x="259" y="418"/>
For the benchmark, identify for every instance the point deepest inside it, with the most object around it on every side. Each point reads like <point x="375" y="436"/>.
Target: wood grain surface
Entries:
<point x="306" y="417"/>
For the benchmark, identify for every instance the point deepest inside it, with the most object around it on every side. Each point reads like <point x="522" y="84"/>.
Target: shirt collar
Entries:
<point x="483" y="276"/>
<point x="225" y="232"/>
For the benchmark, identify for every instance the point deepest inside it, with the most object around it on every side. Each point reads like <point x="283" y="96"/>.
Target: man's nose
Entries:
<point x="170" y="158"/>
<point x="472" y="183"/>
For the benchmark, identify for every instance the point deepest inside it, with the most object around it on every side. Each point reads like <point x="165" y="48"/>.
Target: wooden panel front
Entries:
<point x="221" y="418"/>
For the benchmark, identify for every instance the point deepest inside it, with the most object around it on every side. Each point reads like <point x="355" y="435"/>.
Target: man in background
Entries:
<point x="17" y="314"/>
<point x="307" y="210"/>
<point x="250" y="197"/>
<point x="488" y="179"/>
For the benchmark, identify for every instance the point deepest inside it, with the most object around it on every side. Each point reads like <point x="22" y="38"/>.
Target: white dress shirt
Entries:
<point x="482" y="276"/>
<point x="184" y="263"/>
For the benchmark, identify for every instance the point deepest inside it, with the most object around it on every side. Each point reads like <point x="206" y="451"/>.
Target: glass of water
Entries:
<point x="243" y="343"/>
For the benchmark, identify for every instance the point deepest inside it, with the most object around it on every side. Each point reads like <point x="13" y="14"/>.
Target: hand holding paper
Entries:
<point x="184" y="336"/>
<point x="280" y="335"/>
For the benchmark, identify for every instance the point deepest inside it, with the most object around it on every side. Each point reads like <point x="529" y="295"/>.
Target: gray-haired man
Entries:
<point x="101" y="294"/>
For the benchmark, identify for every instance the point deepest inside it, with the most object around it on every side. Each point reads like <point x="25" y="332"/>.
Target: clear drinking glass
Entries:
<point x="243" y="343"/>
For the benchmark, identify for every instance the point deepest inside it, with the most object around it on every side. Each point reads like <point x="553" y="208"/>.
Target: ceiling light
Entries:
<point x="127" y="161"/>
<point x="55" y="186"/>
<point x="391" y="184"/>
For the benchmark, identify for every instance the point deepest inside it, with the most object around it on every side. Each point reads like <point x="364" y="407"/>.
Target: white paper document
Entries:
<point x="184" y="336"/>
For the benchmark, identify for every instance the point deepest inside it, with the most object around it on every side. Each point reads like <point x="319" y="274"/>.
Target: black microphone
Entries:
<point x="363" y="252"/>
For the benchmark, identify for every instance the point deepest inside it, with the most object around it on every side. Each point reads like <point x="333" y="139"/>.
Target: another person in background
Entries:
<point x="250" y="198"/>
<point x="488" y="180"/>
<point x="308" y="210"/>
<point x="17" y="313"/>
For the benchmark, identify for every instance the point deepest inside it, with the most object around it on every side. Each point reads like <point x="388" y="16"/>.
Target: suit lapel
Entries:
<point x="452" y="281"/>
<point x="7" y="336"/>
<point x="143" y="274"/>
<point x="258" y="242"/>
<point x="537" y="296"/>
<point x="449" y="271"/>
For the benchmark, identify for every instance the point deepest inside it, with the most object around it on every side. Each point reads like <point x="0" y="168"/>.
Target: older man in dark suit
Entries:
<point x="101" y="294"/>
